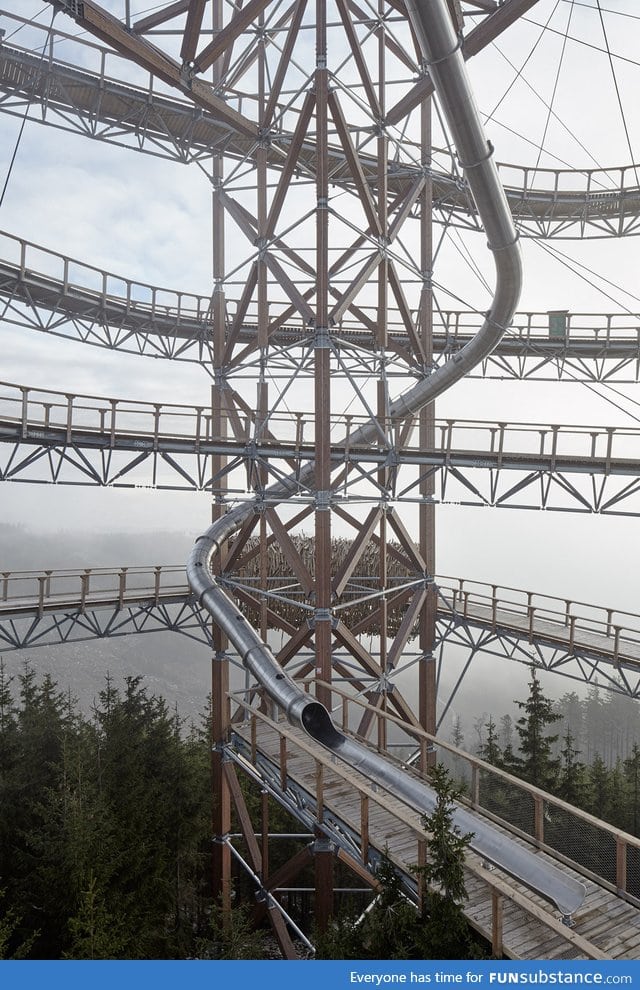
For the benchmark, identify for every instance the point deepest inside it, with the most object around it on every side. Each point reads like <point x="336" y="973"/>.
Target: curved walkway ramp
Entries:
<point x="44" y="607"/>
<point x="544" y="202"/>
<point x="59" y="295"/>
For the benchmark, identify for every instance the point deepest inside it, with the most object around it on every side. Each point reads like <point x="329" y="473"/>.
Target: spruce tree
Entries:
<point x="572" y="785"/>
<point x="535" y="762"/>
<point x="631" y="770"/>
<point x="37" y="882"/>
<point x="446" y="933"/>
<point x="489" y="750"/>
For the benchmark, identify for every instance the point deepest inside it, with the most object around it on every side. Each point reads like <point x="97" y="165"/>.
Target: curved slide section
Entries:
<point x="440" y="46"/>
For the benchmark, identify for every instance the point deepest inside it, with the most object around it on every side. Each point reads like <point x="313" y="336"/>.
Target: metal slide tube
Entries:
<point x="440" y="46"/>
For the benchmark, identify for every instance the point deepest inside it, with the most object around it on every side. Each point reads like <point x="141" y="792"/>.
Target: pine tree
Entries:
<point x="37" y="881"/>
<point x="489" y="750"/>
<point x="95" y="933"/>
<point x="535" y="762"/>
<point x="154" y="792"/>
<point x="446" y="934"/>
<point x="8" y="761"/>
<point x="571" y="710"/>
<point x="631" y="769"/>
<point x="392" y="927"/>
<point x="494" y="796"/>
<point x="572" y="785"/>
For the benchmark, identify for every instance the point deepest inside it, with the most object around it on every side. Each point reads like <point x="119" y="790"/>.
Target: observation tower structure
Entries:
<point x="343" y="148"/>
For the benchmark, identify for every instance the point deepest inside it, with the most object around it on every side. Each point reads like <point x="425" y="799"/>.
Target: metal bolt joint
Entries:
<point x="323" y="500"/>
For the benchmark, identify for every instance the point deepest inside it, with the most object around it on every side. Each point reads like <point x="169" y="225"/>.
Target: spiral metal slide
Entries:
<point x="441" y="49"/>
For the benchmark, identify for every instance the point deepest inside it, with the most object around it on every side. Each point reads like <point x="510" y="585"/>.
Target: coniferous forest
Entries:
<point x="105" y="834"/>
<point x="104" y="824"/>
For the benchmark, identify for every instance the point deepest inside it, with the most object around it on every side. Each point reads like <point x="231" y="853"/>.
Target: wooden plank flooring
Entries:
<point x="609" y="924"/>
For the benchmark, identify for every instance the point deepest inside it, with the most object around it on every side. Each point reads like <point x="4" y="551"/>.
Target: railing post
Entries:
<point x="25" y="411"/>
<point x="156" y="424"/>
<point x="496" y="923"/>
<point x="609" y="620"/>
<point x="199" y="412"/>
<point x="616" y="641"/>
<point x="70" y="399"/>
<point x="621" y="864"/>
<point x="501" y="444"/>
<point x="283" y="763"/>
<point x="572" y="631"/>
<point x="319" y="791"/>
<point x="112" y="429"/>
<point x="364" y="828"/>
<point x="122" y="586"/>
<point x="158" y="572"/>
<point x="475" y="786"/>
<point x="554" y="447"/>
<point x="254" y="738"/>
<point x="84" y="587"/>
<point x="5" y="585"/>
<point x="607" y="466"/>
<point x="41" y="583"/>
<point x="538" y="818"/>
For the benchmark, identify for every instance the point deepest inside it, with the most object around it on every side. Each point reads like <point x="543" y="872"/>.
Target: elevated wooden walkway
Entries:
<point x="518" y="923"/>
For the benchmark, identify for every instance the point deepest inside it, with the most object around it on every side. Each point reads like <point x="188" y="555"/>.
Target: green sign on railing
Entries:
<point x="558" y="322"/>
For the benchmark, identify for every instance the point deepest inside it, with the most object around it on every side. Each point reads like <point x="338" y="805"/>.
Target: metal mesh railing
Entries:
<point x="592" y="847"/>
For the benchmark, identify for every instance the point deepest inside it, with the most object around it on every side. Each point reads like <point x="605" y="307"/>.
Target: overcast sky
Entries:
<point x="151" y="219"/>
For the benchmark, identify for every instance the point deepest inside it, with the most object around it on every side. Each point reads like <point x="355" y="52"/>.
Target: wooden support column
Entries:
<point x="322" y="370"/>
<point x="323" y="854"/>
<point x="323" y="859"/>
<point x="264" y="836"/>
<point x="384" y="475"/>
<point x="427" y="529"/>
<point x="220" y="713"/>
<point x="221" y="867"/>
